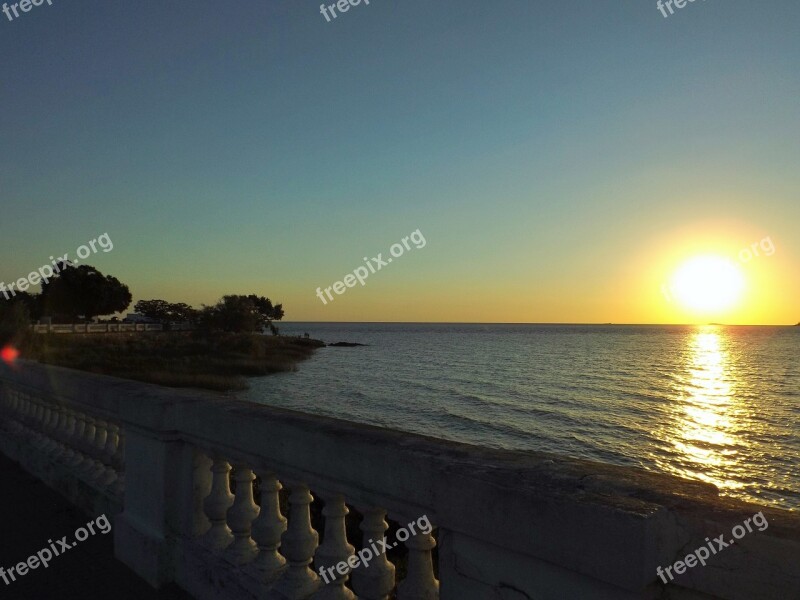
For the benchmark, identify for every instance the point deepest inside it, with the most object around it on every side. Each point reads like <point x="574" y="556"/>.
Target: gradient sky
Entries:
<point x="560" y="158"/>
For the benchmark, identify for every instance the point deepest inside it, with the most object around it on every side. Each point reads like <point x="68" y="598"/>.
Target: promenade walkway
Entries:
<point x="32" y="514"/>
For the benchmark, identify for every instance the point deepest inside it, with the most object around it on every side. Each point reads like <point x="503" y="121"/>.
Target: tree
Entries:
<point x="157" y="310"/>
<point x="238" y="313"/>
<point x="264" y="306"/>
<point x="31" y="302"/>
<point x="84" y="291"/>
<point x="165" y="312"/>
<point x="181" y="313"/>
<point x="15" y="322"/>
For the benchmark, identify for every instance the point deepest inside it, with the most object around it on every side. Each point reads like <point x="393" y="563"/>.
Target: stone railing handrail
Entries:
<point x="531" y="524"/>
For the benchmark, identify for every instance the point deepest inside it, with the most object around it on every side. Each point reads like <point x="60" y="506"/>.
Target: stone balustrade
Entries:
<point x="236" y="500"/>
<point x="74" y="447"/>
<point x="104" y="327"/>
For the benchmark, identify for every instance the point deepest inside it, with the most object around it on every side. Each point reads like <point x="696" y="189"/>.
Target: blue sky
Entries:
<point x="556" y="155"/>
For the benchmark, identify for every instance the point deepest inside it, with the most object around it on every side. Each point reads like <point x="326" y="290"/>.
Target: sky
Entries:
<point x="562" y="160"/>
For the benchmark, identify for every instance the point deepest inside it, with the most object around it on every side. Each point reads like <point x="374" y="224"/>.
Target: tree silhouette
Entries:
<point x="84" y="291"/>
<point x="31" y="302"/>
<point x="238" y="313"/>
<point x="166" y="312"/>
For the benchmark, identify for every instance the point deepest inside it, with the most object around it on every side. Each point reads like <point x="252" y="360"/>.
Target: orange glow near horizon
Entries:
<point x="715" y="272"/>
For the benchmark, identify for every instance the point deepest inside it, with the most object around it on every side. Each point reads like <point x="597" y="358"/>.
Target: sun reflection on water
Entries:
<point x="705" y="428"/>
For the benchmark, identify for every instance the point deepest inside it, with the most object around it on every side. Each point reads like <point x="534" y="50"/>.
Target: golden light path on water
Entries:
<point x="708" y="425"/>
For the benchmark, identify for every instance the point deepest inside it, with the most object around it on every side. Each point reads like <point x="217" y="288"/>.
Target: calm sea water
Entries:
<point x="719" y="404"/>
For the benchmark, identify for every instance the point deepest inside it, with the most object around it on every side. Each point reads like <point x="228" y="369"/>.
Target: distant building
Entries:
<point x="138" y="318"/>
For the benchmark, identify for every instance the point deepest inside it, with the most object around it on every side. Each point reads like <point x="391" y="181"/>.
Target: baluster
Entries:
<point x="87" y="443"/>
<point x="53" y="428"/>
<point x="334" y="549"/>
<point x="42" y="420"/>
<point x="268" y="529"/>
<point x="18" y="405"/>
<point x="64" y="433"/>
<point x="61" y="432"/>
<point x="110" y="447"/>
<point x="24" y="419"/>
<point x="33" y="414"/>
<point x="38" y="419"/>
<point x="27" y="406"/>
<point x="298" y="544"/>
<point x="109" y="474"/>
<point x="22" y="407"/>
<point x="41" y="424"/>
<point x="68" y="454"/>
<point x="376" y="582"/>
<point x="77" y="440"/>
<point x="36" y="403"/>
<point x="201" y="488"/>
<point x="241" y="516"/>
<point x="118" y="460"/>
<point x="118" y="486"/>
<point x="420" y="583"/>
<point x="18" y="412"/>
<point x="216" y="505"/>
<point x="44" y="429"/>
<point x="98" y="469"/>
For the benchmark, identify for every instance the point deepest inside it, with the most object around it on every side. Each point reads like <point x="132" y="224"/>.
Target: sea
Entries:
<point x="714" y="403"/>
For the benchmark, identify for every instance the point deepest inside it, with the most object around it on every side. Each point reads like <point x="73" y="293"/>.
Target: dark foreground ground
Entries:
<point x="32" y="515"/>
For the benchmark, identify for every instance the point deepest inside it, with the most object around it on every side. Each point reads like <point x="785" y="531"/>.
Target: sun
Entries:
<point x="708" y="284"/>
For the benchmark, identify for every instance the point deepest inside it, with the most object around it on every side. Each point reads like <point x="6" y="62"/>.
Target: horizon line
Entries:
<point x="552" y="323"/>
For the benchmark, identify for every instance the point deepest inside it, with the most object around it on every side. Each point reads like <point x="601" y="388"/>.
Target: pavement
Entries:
<point x="33" y="514"/>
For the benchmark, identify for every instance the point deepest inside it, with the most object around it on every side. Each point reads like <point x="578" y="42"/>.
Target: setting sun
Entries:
<point x="708" y="283"/>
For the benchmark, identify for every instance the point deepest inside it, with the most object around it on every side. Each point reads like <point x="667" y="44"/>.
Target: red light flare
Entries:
<point x="9" y="355"/>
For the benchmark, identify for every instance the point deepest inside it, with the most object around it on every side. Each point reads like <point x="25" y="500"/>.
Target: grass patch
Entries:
<point x="175" y="359"/>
